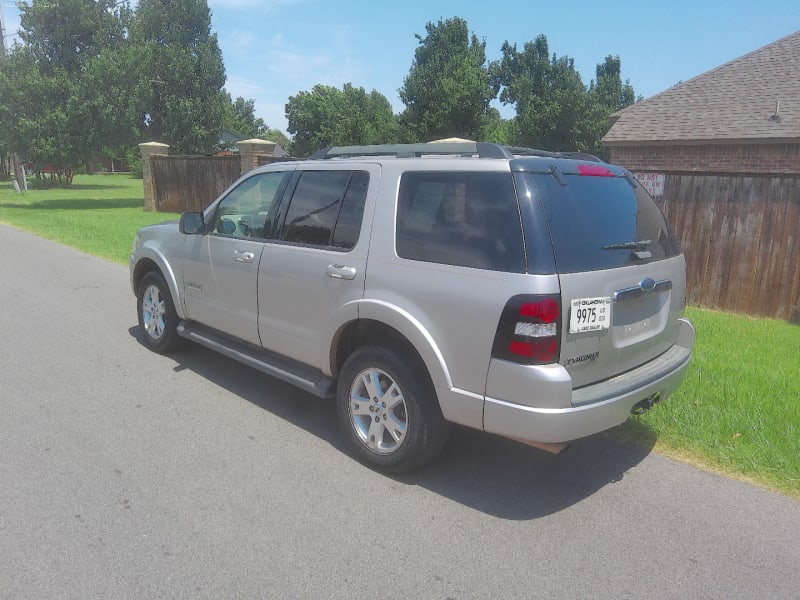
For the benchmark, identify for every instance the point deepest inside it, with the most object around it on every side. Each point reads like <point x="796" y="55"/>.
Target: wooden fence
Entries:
<point x="741" y="238"/>
<point x="740" y="233"/>
<point x="183" y="183"/>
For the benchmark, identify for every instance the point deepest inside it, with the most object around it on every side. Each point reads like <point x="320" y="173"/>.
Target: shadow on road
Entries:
<point x="488" y="473"/>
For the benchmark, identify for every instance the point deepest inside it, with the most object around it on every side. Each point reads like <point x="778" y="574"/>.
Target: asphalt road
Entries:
<point x="124" y="474"/>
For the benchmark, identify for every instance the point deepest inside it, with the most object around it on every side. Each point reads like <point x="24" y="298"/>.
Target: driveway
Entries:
<point x="124" y="474"/>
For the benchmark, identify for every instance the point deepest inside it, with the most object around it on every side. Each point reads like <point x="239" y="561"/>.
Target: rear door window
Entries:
<point x="460" y="218"/>
<point x="601" y="223"/>
<point x="326" y="209"/>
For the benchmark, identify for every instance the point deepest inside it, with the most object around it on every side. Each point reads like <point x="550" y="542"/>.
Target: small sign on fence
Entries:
<point x="652" y="182"/>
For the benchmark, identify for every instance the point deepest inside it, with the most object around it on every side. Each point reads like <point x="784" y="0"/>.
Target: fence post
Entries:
<point x="250" y="150"/>
<point x="148" y="150"/>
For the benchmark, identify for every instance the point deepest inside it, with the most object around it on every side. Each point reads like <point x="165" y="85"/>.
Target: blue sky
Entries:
<point x="275" y="48"/>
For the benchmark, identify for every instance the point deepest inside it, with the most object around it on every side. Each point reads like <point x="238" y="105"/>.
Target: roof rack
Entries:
<point x="465" y="148"/>
<point x="481" y="149"/>
<point x="517" y="151"/>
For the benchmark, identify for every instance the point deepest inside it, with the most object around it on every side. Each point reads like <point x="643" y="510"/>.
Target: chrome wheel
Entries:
<point x="378" y="411"/>
<point x="153" y="312"/>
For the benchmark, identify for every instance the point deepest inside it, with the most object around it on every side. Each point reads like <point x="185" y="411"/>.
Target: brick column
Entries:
<point x="147" y="151"/>
<point x="250" y="150"/>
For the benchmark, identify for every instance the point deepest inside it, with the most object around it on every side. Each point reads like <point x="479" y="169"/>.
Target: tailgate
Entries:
<point x="614" y="321"/>
<point x="622" y="277"/>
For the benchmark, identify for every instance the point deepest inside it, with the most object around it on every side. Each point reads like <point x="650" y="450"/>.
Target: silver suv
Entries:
<point x="534" y="295"/>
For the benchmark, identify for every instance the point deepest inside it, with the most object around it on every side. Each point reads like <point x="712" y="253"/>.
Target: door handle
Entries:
<point x="243" y="257"/>
<point x="341" y="272"/>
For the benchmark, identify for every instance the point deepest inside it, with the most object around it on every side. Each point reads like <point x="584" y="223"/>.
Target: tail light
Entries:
<point x="529" y="331"/>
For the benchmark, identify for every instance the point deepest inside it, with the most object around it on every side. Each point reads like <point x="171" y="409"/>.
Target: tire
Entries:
<point x="388" y="410"/>
<point x="157" y="317"/>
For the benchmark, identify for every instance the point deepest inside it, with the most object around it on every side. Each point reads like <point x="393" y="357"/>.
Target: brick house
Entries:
<point x="722" y="155"/>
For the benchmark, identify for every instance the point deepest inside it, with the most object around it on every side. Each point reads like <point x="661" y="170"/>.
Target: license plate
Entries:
<point x="589" y="314"/>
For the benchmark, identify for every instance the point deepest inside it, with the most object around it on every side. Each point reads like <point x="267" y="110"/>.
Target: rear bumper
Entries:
<point x="598" y="407"/>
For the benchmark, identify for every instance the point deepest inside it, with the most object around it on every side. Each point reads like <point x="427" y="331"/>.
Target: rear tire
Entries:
<point x="157" y="317"/>
<point x="388" y="410"/>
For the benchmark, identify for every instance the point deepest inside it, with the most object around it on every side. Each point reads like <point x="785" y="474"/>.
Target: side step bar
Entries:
<point x="275" y="365"/>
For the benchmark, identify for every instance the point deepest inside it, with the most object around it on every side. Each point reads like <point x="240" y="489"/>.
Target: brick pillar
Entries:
<point x="250" y="150"/>
<point x="147" y="151"/>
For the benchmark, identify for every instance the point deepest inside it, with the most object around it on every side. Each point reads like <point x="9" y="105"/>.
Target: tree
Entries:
<point x="549" y="95"/>
<point x="447" y="90"/>
<point x="183" y="103"/>
<point x="608" y="88"/>
<point x="241" y="119"/>
<point x="555" y="111"/>
<point x="44" y="99"/>
<point x="70" y="33"/>
<point x="495" y="128"/>
<point x="328" y="116"/>
<point x="33" y="111"/>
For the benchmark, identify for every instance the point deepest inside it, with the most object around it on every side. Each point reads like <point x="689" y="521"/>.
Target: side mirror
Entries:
<point x="192" y="223"/>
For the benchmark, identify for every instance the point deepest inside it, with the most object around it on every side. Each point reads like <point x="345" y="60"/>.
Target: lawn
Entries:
<point x="98" y="214"/>
<point x="737" y="412"/>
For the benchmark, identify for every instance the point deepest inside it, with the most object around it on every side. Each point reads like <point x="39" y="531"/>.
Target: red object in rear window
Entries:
<point x="594" y="171"/>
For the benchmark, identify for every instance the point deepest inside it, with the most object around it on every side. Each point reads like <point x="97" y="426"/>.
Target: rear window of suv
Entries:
<point x="599" y="223"/>
<point x="468" y="219"/>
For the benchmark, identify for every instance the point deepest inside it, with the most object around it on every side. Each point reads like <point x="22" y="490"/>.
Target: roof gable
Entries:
<point x="753" y="98"/>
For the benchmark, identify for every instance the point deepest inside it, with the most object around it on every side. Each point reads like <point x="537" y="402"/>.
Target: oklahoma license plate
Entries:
<point x="589" y="314"/>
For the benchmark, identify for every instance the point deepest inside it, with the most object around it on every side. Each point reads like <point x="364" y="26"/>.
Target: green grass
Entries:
<point x="737" y="412"/>
<point x="98" y="214"/>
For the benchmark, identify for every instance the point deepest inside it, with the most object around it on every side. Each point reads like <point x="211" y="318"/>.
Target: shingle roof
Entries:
<point x="734" y="102"/>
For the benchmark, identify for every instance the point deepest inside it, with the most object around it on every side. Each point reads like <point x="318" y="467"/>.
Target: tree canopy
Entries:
<point x="554" y="109"/>
<point x="184" y="105"/>
<point x="95" y="77"/>
<point x="241" y="119"/>
<point x="447" y="90"/>
<point x="328" y="116"/>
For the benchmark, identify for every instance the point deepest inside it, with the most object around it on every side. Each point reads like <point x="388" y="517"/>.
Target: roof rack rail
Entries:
<point x="517" y="151"/>
<point x="481" y="149"/>
<point x="465" y="148"/>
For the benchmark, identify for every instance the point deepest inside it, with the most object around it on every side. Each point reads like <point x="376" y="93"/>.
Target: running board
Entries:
<point x="302" y="376"/>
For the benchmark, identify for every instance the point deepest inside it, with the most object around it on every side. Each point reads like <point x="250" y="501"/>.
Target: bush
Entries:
<point x="134" y="160"/>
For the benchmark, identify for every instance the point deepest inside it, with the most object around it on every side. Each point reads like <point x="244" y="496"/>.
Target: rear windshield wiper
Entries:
<point x="637" y="245"/>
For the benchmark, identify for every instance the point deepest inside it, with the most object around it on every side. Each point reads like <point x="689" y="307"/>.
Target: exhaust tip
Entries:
<point x="645" y="405"/>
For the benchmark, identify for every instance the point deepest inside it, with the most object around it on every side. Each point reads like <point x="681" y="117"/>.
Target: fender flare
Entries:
<point x="409" y="327"/>
<point x="154" y="255"/>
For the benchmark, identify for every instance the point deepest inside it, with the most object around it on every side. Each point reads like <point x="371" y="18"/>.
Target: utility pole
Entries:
<point x="2" y="30"/>
<point x="15" y="166"/>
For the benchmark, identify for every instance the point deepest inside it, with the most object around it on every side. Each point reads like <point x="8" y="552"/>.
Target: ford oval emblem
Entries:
<point x="647" y="284"/>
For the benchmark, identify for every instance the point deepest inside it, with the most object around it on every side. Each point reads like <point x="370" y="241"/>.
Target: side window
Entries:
<point x="460" y="218"/>
<point x="326" y="209"/>
<point x="244" y="212"/>
<point x="348" y="225"/>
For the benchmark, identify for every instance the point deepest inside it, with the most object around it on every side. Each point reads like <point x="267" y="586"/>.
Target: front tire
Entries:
<point x="388" y="410"/>
<point x="157" y="317"/>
